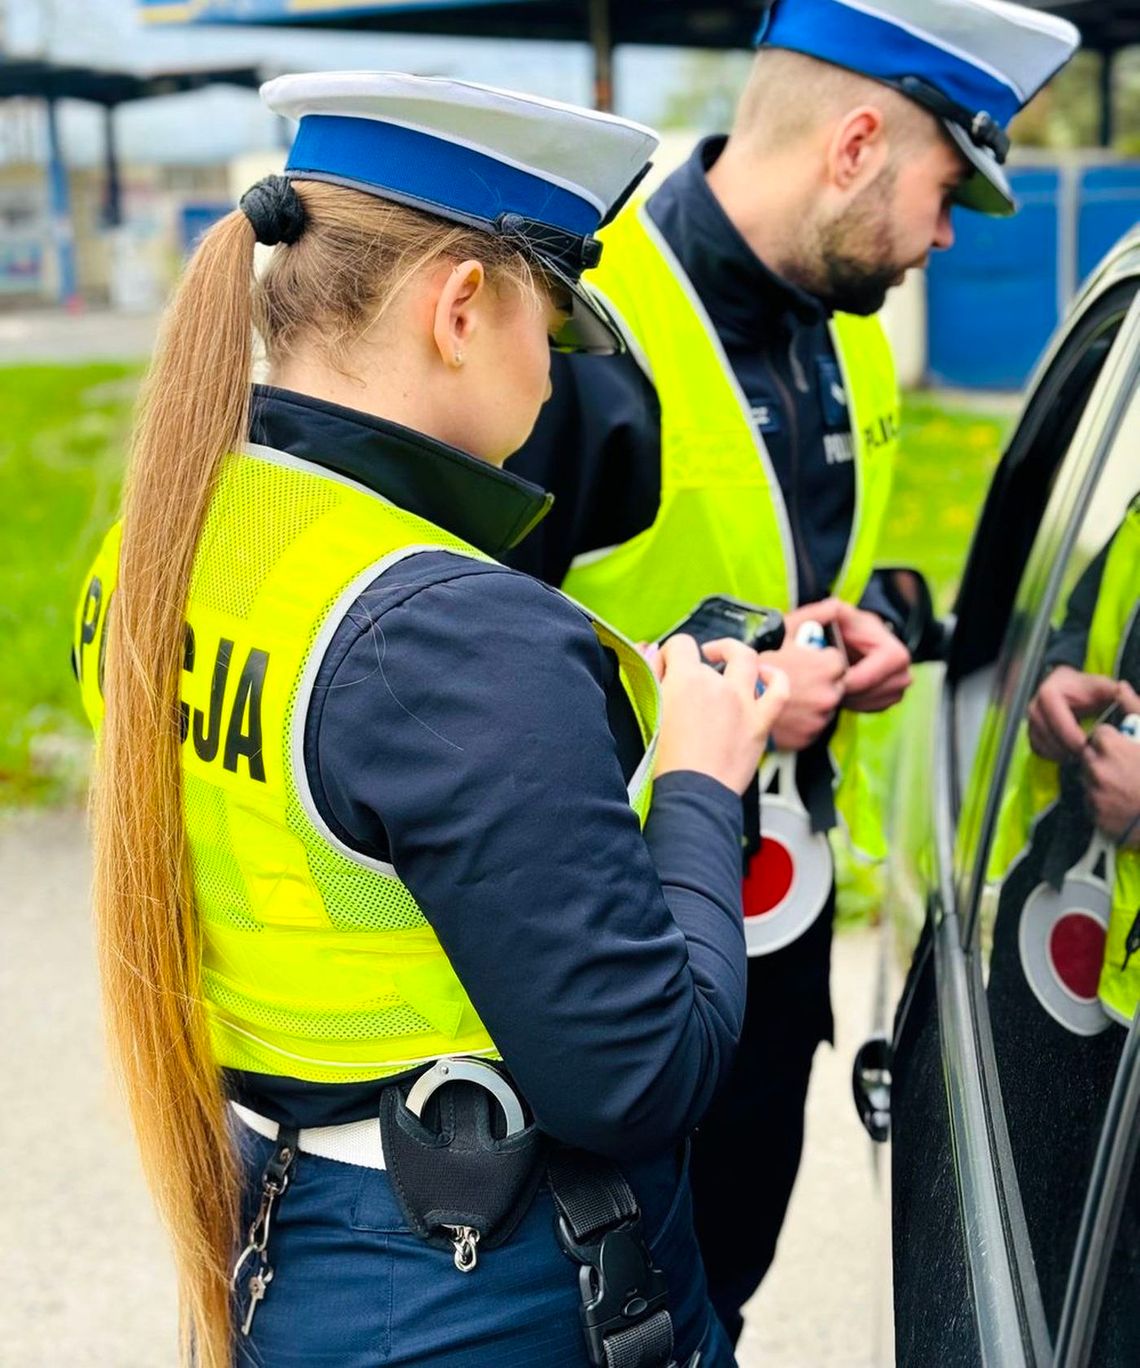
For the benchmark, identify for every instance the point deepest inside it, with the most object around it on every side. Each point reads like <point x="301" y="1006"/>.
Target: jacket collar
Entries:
<point x="747" y="301"/>
<point x="488" y="507"/>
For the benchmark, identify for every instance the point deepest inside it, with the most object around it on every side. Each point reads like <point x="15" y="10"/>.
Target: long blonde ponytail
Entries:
<point x="194" y="410"/>
<point x="326" y="289"/>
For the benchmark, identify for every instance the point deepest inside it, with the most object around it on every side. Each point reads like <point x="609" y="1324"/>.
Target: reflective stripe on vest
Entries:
<point x="722" y="526"/>
<point x="317" y="962"/>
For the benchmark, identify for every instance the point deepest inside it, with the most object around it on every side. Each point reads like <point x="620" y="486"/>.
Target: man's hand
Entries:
<point x="1111" y="766"/>
<point x="879" y="663"/>
<point x="1065" y="696"/>
<point x="815" y="677"/>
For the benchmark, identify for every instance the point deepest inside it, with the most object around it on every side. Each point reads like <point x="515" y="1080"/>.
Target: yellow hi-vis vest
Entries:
<point x="722" y="526"/>
<point x="1034" y="784"/>
<point x="317" y="962"/>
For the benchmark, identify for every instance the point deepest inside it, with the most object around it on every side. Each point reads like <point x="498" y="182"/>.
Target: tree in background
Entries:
<point x="704" y="98"/>
<point x="1067" y="112"/>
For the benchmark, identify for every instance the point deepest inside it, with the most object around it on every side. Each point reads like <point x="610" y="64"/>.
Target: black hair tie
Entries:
<point x="275" y="210"/>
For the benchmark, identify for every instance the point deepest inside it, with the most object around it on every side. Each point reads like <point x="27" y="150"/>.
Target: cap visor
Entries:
<point x="590" y="326"/>
<point x="987" y="191"/>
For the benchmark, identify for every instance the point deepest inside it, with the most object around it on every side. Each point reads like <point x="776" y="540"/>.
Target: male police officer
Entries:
<point x="745" y="445"/>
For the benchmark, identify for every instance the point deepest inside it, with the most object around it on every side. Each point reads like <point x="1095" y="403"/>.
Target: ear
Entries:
<point x="462" y="295"/>
<point x="858" y="148"/>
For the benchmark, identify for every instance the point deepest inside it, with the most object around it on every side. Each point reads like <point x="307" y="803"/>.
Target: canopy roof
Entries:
<point x="49" y="81"/>
<point x="681" y="23"/>
<point x="1106" y="25"/>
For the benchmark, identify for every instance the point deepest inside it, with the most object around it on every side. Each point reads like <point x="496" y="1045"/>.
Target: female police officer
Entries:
<point x="367" y="810"/>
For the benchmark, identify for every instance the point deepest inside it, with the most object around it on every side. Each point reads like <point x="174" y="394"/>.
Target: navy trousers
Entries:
<point x="746" y="1152"/>
<point x="352" y="1287"/>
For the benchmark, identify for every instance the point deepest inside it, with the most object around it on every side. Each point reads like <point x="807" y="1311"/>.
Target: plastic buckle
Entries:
<point x="619" y="1285"/>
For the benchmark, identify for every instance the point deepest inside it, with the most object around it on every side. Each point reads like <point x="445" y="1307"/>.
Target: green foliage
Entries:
<point x="704" y="100"/>
<point x="948" y="456"/>
<point x="65" y="433"/>
<point x="1067" y="113"/>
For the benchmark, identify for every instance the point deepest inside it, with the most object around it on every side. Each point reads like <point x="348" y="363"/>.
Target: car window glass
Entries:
<point x="1057" y="876"/>
<point x="1023" y="502"/>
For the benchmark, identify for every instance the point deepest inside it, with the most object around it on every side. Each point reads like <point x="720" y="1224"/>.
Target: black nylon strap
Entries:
<point x="591" y="1193"/>
<point x="624" y="1311"/>
<point x="281" y="1160"/>
<point x="643" y="1345"/>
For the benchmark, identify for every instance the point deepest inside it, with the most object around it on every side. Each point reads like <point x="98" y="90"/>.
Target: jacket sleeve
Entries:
<point x="464" y="727"/>
<point x="596" y="448"/>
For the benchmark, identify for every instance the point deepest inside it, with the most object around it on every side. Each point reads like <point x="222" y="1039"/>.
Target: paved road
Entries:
<point x="85" y="1277"/>
<point x="49" y="335"/>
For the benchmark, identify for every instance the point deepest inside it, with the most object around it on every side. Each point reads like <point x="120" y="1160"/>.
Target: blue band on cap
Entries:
<point x="848" y="37"/>
<point x="447" y="175"/>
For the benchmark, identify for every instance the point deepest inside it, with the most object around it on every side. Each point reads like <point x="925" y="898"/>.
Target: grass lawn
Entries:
<point x="65" y="435"/>
<point x="60" y="468"/>
<point x="948" y="456"/>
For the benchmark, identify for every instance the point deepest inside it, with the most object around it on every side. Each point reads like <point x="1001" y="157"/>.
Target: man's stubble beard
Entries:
<point x="850" y="263"/>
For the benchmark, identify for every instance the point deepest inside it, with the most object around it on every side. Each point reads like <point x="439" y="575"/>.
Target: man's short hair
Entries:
<point x="789" y="95"/>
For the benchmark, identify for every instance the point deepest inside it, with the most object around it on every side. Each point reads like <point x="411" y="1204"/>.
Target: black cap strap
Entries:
<point x="570" y="252"/>
<point x="983" y="128"/>
<point x="275" y="210"/>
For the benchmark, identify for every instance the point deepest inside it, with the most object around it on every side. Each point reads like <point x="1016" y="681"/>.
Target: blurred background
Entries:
<point x="126" y="128"/>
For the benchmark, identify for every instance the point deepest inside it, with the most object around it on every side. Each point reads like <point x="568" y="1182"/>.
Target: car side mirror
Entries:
<point x="909" y="595"/>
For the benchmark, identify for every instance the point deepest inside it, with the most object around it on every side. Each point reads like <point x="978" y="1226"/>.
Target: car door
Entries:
<point x="1004" y="1119"/>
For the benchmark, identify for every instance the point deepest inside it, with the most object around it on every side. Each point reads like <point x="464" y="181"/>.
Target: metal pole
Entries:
<point x="601" y="40"/>
<point x="63" y="233"/>
<point x="112" y="186"/>
<point x="1107" y="106"/>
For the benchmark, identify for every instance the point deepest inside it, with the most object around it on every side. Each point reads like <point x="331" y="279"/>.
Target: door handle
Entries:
<point x="871" y="1086"/>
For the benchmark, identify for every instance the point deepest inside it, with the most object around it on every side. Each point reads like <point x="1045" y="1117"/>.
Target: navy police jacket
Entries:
<point x="642" y="979"/>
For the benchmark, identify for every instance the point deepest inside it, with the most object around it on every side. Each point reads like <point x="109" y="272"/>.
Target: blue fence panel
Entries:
<point x="1110" y="205"/>
<point x="195" y="217"/>
<point x="992" y="298"/>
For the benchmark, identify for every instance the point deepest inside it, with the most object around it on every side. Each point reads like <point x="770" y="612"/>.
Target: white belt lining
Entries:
<point x="357" y="1142"/>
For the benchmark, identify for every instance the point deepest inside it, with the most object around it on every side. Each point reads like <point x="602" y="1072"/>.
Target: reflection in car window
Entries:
<point x="1027" y="510"/>
<point x="1063" y="880"/>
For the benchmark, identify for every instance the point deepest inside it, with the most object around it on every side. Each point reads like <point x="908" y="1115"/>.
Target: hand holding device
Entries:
<point x="1065" y="696"/>
<point x="879" y="671"/>
<point x="815" y="672"/>
<point x="716" y="723"/>
<point x="1110" y="764"/>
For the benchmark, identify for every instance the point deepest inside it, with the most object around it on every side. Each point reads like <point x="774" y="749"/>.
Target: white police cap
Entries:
<point x="547" y="175"/>
<point x="972" y="63"/>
